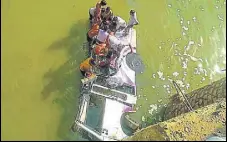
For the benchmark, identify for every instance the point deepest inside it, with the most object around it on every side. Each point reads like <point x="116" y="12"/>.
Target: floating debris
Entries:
<point x="169" y="5"/>
<point x="160" y="100"/>
<point x="153" y="86"/>
<point x="153" y="75"/>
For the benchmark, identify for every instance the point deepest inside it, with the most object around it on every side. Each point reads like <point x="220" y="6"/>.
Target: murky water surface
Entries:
<point x="181" y="40"/>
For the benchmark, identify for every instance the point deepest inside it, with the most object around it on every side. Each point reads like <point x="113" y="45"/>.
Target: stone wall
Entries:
<point x="198" y="98"/>
<point x="193" y="126"/>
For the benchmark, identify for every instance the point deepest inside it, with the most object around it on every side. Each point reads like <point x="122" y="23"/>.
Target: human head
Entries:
<point x="103" y="10"/>
<point x="132" y="12"/>
<point x="103" y="3"/>
<point x="105" y="27"/>
<point x="110" y="53"/>
<point x="115" y="18"/>
<point x="108" y="9"/>
<point x="92" y="62"/>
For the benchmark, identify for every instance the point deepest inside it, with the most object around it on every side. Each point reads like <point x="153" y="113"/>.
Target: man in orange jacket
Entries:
<point x="93" y="32"/>
<point x="87" y="66"/>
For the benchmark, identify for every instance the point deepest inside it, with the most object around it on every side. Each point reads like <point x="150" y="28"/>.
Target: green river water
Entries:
<point x="42" y="40"/>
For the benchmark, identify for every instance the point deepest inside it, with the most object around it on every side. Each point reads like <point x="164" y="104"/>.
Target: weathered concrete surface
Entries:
<point x="198" y="98"/>
<point x="192" y="126"/>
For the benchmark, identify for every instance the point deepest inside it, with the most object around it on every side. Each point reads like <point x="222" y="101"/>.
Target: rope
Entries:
<point x="185" y="98"/>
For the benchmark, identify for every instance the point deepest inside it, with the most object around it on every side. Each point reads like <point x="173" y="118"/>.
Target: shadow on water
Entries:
<point x="66" y="79"/>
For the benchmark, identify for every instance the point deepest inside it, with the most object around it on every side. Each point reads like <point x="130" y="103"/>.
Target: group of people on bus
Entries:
<point x="101" y="35"/>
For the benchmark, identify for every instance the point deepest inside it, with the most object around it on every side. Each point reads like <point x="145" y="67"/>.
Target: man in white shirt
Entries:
<point x="91" y="13"/>
<point x="120" y="23"/>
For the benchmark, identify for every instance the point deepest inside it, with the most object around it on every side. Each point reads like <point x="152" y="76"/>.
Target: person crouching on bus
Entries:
<point x="102" y="35"/>
<point x="92" y="11"/>
<point x="93" y="32"/>
<point x="132" y="21"/>
<point x="87" y="66"/>
<point x="107" y="14"/>
<point x="100" y="49"/>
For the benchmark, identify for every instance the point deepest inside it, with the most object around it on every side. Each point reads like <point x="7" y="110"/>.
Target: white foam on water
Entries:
<point x="181" y="22"/>
<point x="223" y="51"/>
<point x="170" y="80"/>
<point x="203" y="78"/>
<point x="143" y="118"/>
<point x="153" y="75"/>
<point x="185" y="73"/>
<point x="220" y="18"/>
<point x="184" y="65"/>
<point x="163" y="78"/>
<point x="201" y="8"/>
<point x="153" y="86"/>
<point x="152" y="108"/>
<point x="217" y="69"/>
<point x="169" y="5"/>
<point x="194" y="19"/>
<point x="205" y="72"/>
<point x="175" y="74"/>
<point x="187" y="86"/>
<point x="185" y="28"/>
<point x="207" y="62"/>
<point x="180" y="83"/>
<point x="160" y="74"/>
<point x="188" y="22"/>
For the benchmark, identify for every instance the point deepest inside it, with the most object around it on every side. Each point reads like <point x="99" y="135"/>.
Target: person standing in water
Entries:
<point x="133" y="19"/>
